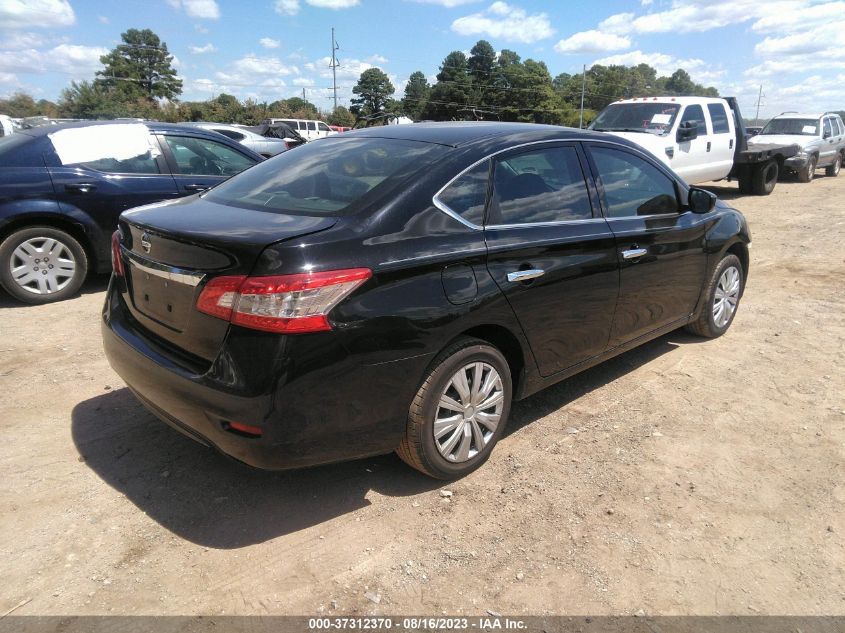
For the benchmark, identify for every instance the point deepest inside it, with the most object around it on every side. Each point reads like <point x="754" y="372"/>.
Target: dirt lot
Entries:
<point x="705" y="477"/>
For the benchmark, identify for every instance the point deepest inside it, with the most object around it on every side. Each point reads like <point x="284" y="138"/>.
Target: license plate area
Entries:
<point x="161" y="296"/>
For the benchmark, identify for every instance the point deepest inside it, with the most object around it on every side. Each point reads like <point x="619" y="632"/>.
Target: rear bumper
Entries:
<point x="338" y="410"/>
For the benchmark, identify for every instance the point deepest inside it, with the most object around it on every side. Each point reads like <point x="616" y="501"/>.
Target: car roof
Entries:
<point x="154" y="126"/>
<point x="671" y="99"/>
<point x="459" y="133"/>
<point x="802" y="115"/>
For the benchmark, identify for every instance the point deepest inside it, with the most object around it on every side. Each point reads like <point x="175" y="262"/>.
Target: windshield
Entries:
<point x="803" y="127"/>
<point x="334" y="176"/>
<point x="655" y="117"/>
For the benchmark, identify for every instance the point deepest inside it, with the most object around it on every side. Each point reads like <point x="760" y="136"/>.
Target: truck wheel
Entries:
<point x="806" y="174"/>
<point x="40" y="264"/>
<point x="833" y="170"/>
<point x="764" y="178"/>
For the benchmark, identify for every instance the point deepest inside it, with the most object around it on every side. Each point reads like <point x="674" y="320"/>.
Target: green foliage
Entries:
<point x="417" y="94"/>
<point x="451" y="96"/>
<point x="140" y="67"/>
<point x="373" y="90"/>
<point x="342" y="117"/>
<point x="21" y="105"/>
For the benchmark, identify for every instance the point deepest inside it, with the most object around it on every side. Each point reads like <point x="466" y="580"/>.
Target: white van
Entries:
<point x="6" y="126"/>
<point x="309" y="129"/>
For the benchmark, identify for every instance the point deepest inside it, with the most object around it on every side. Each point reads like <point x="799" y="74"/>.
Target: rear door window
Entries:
<point x="719" y="118"/>
<point x="827" y="131"/>
<point x="540" y="185"/>
<point x="312" y="127"/>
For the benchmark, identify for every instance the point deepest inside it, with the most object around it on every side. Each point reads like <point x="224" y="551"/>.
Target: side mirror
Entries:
<point x="701" y="201"/>
<point x="687" y="131"/>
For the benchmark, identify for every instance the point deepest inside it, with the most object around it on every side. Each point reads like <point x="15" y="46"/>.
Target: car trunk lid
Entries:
<point x="171" y="250"/>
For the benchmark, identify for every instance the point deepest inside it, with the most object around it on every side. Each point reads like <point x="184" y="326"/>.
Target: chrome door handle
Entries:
<point x="526" y="275"/>
<point x="634" y="253"/>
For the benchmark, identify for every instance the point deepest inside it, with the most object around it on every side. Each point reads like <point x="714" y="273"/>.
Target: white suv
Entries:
<point x="309" y="129"/>
<point x="820" y="135"/>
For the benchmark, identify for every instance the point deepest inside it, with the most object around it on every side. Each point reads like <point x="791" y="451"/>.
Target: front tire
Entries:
<point x="806" y="174"/>
<point x="41" y="264"/>
<point x="721" y="299"/>
<point x="459" y="412"/>
<point x="833" y="170"/>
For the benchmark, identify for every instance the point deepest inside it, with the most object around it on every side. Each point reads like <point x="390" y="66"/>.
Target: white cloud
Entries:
<point x="664" y="64"/>
<point x="593" y="42"/>
<point x="269" y="42"/>
<point x="506" y="22"/>
<point x="199" y="28"/>
<point x="303" y="82"/>
<point x="377" y="59"/>
<point x="16" y="14"/>
<point x="334" y="4"/>
<point x="447" y="3"/>
<point x="17" y="40"/>
<point x="80" y="62"/>
<point x="204" y="9"/>
<point x="287" y="7"/>
<point x="102" y="19"/>
<point x="201" y="50"/>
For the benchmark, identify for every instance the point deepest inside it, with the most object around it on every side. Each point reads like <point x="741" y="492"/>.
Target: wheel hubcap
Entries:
<point x="468" y="412"/>
<point x="42" y="265"/>
<point x="727" y="296"/>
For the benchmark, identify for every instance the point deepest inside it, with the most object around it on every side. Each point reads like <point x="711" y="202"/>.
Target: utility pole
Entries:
<point x="583" y="89"/>
<point x="759" y="98"/>
<point x="335" y="47"/>
<point x="303" y="95"/>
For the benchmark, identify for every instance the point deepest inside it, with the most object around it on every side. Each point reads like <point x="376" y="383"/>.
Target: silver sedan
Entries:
<point x="267" y="147"/>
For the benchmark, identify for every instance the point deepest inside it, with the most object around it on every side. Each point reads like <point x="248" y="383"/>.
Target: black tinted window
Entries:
<point x="199" y="156"/>
<point x="694" y="114"/>
<point x="719" y="118"/>
<point x="144" y="164"/>
<point x="235" y="136"/>
<point x="827" y="131"/>
<point x="632" y="186"/>
<point x="466" y="195"/>
<point x="312" y="126"/>
<point x="336" y="176"/>
<point x="543" y="185"/>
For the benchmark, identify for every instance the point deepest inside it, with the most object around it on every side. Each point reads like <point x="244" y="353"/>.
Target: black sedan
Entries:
<point x="63" y="187"/>
<point x="397" y="288"/>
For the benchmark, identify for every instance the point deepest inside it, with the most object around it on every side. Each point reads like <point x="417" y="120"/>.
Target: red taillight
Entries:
<point x="246" y="429"/>
<point x="291" y="304"/>
<point x="116" y="259"/>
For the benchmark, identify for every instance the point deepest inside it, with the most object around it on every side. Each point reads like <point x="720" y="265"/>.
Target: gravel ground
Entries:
<point x="684" y="477"/>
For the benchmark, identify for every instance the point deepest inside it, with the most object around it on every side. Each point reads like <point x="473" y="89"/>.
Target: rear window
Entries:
<point x="337" y="176"/>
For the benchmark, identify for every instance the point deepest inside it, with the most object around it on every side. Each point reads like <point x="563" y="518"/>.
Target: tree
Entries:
<point x="140" y="67"/>
<point x="451" y="95"/>
<point x="373" y="90"/>
<point x="341" y="117"/>
<point x="480" y="66"/>
<point x="417" y="93"/>
<point x="680" y="83"/>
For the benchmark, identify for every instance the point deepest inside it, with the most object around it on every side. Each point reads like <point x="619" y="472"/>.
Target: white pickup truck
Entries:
<point x="700" y="138"/>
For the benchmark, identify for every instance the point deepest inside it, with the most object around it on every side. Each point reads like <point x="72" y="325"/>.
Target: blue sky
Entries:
<point x="270" y="49"/>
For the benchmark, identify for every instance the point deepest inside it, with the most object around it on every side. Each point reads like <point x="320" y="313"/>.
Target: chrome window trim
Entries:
<point x="171" y="273"/>
<point x="442" y="206"/>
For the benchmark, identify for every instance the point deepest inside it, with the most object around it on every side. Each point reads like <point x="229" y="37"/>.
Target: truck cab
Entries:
<point x="695" y="136"/>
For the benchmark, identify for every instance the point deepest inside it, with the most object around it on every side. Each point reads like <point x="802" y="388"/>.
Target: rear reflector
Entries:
<point x="116" y="260"/>
<point x="292" y="304"/>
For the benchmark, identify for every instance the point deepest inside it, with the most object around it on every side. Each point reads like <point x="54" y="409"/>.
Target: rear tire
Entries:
<point x="41" y="264"/>
<point x="725" y="287"/>
<point x="465" y="439"/>
<point x="833" y="170"/>
<point x="764" y="178"/>
<point x="806" y="174"/>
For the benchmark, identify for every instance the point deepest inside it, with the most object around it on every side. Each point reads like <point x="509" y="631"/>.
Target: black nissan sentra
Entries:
<point x="397" y="288"/>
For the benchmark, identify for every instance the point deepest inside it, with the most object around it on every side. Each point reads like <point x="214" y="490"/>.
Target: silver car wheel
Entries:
<point x="726" y="296"/>
<point x="468" y="412"/>
<point x="42" y="265"/>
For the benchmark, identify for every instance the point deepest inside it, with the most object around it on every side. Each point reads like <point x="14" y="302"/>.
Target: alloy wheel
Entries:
<point x="42" y="265"/>
<point x="726" y="296"/>
<point x="468" y="412"/>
